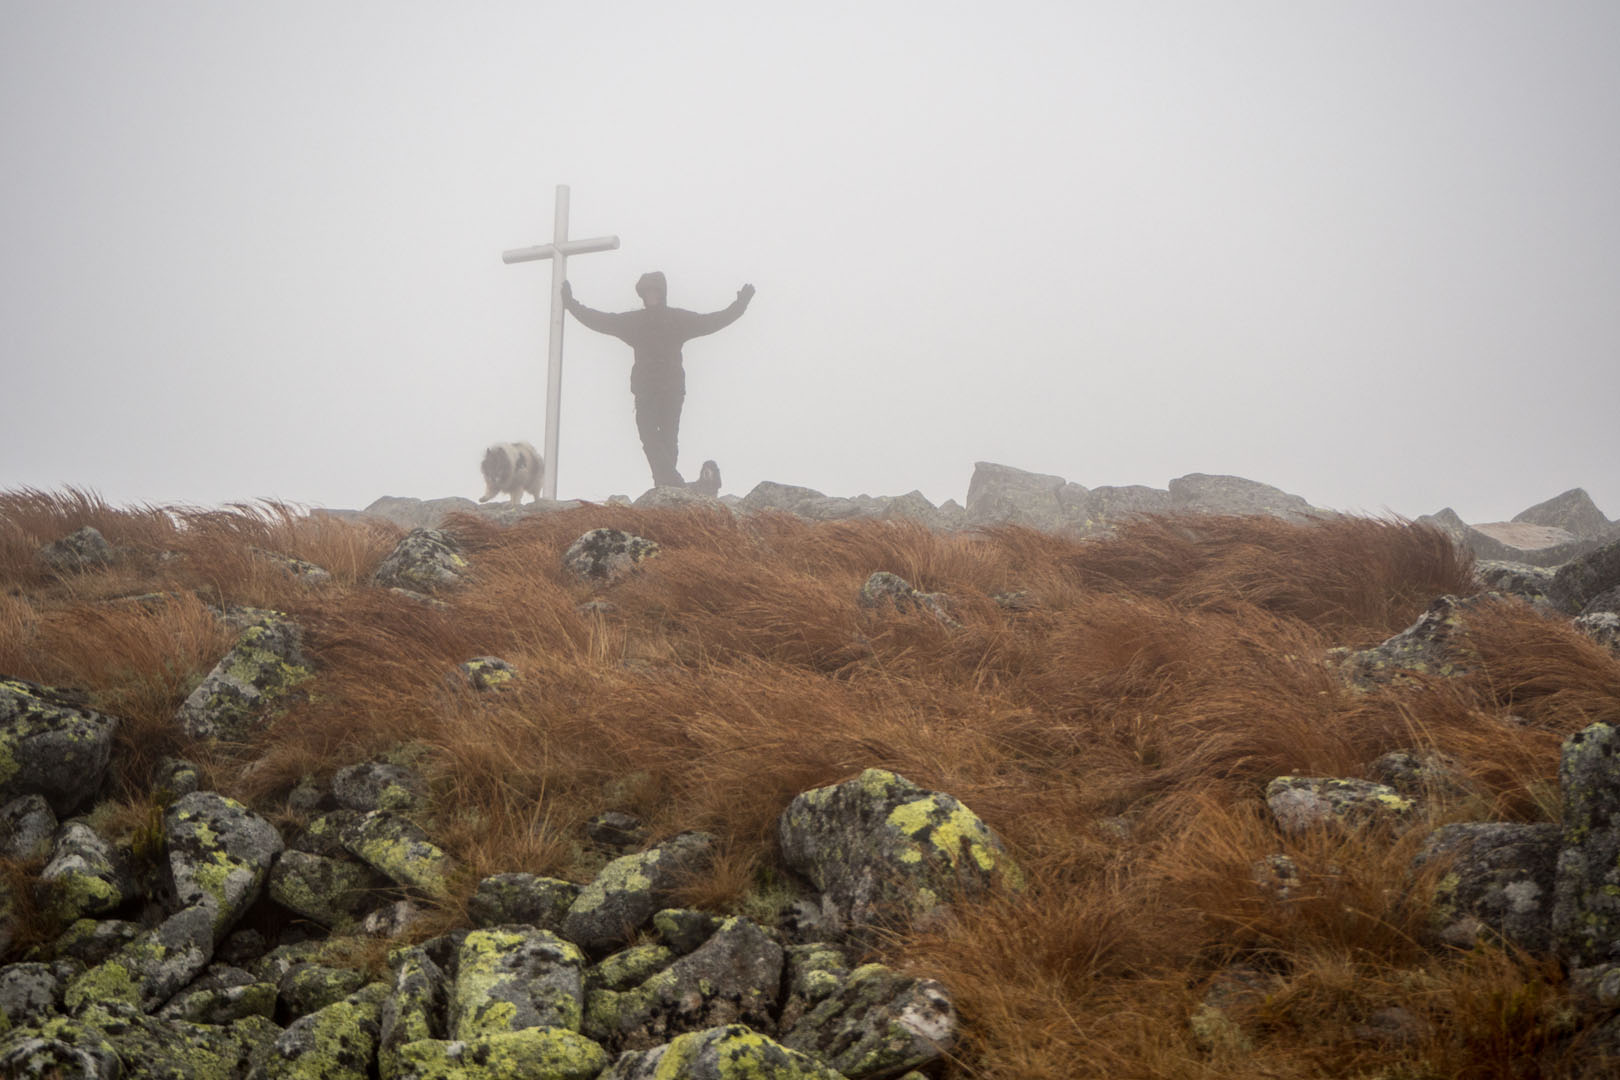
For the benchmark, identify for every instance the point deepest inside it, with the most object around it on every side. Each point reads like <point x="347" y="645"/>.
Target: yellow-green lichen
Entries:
<point x="110" y="981"/>
<point x="549" y="1052"/>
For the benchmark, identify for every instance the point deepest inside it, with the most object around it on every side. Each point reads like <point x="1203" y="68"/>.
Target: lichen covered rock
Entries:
<point x="515" y="977"/>
<point x="631" y="889"/>
<point x="488" y="673"/>
<point x="82" y="549"/>
<point x="27" y="825"/>
<point x="1301" y="803"/>
<point x="219" y="854"/>
<point x="154" y="966"/>
<point x="734" y="977"/>
<point x="1602" y="627"/>
<point x="885" y="589"/>
<point x="1586" y="911"/>
<point x="877" y="1023"/>
<point x="425" y="561"/>
<point x="337" y="1043"/>
<point x="882" y="850"/>
<point x="85" y="875"/>
<point x="51" y="745"/>
<point x="332" y="892"/>
<point x="1579" y="580"/>
<point x="528" y="1054"/>
<point x="223" y="994"/>
<point x="415" y="1010"/>
<point x="259" y="673"/>
<point x="732" y="1052"/>
<point x="29" y="993"/>
<point x="605" y="555"/>
<point x="1436" y="645"/>
<point x="398" y="848"/>
<point x="378" y="785"/>
<point x="1499" y="878"/>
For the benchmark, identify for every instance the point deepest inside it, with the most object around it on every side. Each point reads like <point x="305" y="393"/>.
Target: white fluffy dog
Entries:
<point x="512" y="468"/>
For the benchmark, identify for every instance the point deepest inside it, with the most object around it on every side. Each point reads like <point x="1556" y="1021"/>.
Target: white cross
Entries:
<point x="557" y="251"/>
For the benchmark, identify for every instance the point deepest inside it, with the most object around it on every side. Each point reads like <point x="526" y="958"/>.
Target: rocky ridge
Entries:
<point x="605" y="978"/>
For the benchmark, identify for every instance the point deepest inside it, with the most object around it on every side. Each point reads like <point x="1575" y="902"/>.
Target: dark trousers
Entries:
<point x="658" y="419"/>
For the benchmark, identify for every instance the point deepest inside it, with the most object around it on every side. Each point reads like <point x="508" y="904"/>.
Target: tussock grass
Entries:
<point x="1117" y="729"/>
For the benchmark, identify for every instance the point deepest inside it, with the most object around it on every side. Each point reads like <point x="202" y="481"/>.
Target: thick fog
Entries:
<point x="1368" y="252"/>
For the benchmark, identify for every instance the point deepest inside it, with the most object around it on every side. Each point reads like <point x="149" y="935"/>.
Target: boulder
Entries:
<point x="51" y="745"/>
<point x="1002" y="495"/>
<point x="337" y="1043"/>
<point x="1602" y="627"/>
<point x="29" y="994"/>
<point x="883" y="851"/>
<point x="306" y="989"/>
<point x="27" y="825"/>
<point x="1532" y="584"/>
<point x="488" y="673"/>
<point x="602" y="556"/>
<point x="628" y="968"/>
<point x="513" y="977"/>
<point x="154" y="966"/>
<point x="631" y="889"/>
<point x="1573" y="511"/>
<point x="397" y="847"/>
<point x="113" y="1040"/>
<point x="877" y="1023"/>
<point x="85" y="876"/>
<point x="299" y="570"/>
<point x="1499" y="878"/>
<point x="261" y="671"/>
<point x="378" y="785"/>
<point x="684" y="929"/>
<point x="1586" y="909"/>
<point x="332" y="892"/>
<point x="409" y="513"/>
<point x="175" y="777"/>
<point x="734" y="977"/>
<point x="1204" y="493"/>
<point x="221" y="995"/>
<point x="769" y="495"/>
<point x="425" y="561"/>
<point x="1436" y="645"/>
<point x="883" y="589"/>
<point x="1301" y="803"/>
<point x="1606" y="602"/>
<point x="82" y="549"/>
<point x="526" y="1054"/>
<point x="1111" y="505"/>
<point x="522" y="898"/>
<point x="89" y="942"/>
<point x="219" y="855"/>
<point x="616" y="831"/>
<point x="1418" y="773"/>
<point x="722" y="1053"/>
<point x="1579" y="581"/>
<point x="664" y="498"/>
<point x="813" y="972"/>
<point x="416" y="1008"/>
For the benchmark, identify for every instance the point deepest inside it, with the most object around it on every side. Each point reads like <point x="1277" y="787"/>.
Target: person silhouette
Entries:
<point x="657" y="378"/>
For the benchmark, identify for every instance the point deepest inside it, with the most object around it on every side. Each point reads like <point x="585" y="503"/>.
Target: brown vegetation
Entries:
<point x="1116" y="728"/>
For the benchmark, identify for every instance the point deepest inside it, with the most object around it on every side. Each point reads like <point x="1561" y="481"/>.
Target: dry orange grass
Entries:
<point x="1117" y="730"/>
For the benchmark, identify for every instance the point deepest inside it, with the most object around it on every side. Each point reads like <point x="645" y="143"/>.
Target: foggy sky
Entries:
<point x="1368" y="252"/>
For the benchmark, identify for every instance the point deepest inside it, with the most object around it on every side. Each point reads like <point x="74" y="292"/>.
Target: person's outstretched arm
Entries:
<point x="698" y="325"/>
<point x="603" y="322"/>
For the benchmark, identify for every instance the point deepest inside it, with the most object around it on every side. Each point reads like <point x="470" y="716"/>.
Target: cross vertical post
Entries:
<point x="557" y="251"/>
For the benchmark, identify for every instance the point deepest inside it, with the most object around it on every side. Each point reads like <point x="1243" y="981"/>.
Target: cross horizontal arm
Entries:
<point x="567" y="247"/>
